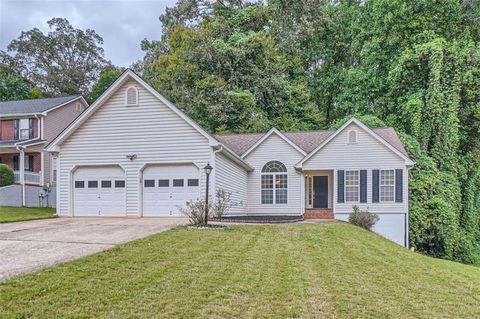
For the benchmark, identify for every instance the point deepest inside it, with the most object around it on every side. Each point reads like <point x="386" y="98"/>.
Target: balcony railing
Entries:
<point x="30" y="177"/>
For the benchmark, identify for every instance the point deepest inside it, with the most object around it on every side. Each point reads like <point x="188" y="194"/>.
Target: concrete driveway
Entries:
<point x="31" y="245"/>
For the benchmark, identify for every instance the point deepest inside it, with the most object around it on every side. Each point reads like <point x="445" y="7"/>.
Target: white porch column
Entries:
<point x="22" y="174"/>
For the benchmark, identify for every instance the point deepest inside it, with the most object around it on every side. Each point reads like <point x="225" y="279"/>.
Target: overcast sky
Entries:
<point x="121" y="23"/>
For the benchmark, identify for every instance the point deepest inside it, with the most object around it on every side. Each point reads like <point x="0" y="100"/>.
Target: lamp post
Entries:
<point x="208" y="169"/>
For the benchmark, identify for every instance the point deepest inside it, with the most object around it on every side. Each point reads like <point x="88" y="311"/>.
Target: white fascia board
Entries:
<point x="273" y="130"/>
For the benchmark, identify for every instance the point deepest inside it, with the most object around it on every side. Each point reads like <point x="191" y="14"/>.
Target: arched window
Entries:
<point x="131" y="96"/>
<point x="352" y="137"/>
<point x="274" y="183"/>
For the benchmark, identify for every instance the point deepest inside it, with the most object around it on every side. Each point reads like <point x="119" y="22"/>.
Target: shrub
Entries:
<point x="195" y="211"/>
<point x="6" y="175"/>
<point x="363" y="219"/>
<point x="218" y="207"/>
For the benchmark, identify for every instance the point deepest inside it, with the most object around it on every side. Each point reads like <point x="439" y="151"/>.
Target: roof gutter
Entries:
<point x="3" y="116"/>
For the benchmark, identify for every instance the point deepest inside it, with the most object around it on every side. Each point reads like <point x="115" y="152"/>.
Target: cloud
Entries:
<point x="121" y="23"/>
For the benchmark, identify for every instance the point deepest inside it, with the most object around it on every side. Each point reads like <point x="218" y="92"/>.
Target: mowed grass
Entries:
<point x="16" y="214"/>
<point x="330" y="270"/>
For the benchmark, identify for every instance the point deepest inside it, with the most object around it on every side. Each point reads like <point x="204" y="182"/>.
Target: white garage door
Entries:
<point x="167" y="188"/>
<point x="99" y="191"/>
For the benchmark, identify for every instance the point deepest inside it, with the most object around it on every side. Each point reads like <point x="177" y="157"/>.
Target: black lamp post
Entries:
<point x="208" y="169"/>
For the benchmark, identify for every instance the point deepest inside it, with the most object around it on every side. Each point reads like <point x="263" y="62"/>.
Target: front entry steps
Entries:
<point x="319" y="213"/>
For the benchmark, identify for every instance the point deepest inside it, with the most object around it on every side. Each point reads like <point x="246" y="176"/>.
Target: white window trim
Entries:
<point x="380" y="186"/>
<point x="274" y="188"/>
<point x="345" y="185"/>
<point x="356" y="137"/>
<point x="126" y="95"/>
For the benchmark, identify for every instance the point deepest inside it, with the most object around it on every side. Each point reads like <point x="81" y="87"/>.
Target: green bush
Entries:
<point x="363" y="219"/>
<point x="6" y="175"/>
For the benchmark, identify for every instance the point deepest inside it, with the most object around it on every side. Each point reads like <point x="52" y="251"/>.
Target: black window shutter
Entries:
<point x="375" y="186"/>
<point x="399" y="185"/>
<point x="15" y="129"/>
<point x="30" y="128"/>
<point x="363" y="186"/>
<point x="15" y="163"/>
<point x="341" y="186"/>
<point x="30" y="163"/>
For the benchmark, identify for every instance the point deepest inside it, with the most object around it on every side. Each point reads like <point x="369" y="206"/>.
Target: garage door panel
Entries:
<point x="171" y="190"/>
<point x="99" y="191"/>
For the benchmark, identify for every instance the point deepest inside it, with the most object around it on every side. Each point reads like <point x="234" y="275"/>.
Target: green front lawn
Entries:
<point x="284" y="271"/>
<point x="15" y="214"/>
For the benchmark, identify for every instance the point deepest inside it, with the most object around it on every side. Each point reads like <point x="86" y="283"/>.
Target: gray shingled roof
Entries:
<point x="307" y="141"/>
<point x="33" y="106"/>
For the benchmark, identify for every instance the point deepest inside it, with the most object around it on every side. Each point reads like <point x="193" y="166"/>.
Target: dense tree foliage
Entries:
<point x="64" y="61"/>
<point x="242" y="66"/>
<point x="108" y="75"/>
<point x="12" y="85"/>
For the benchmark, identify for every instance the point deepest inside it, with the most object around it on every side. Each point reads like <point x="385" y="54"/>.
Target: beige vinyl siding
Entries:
<point x="151" y="130"/>
<point x="367" y="154"/>
<point x="275" y="148"/>
<point x="54" y="123"/>
<point x="233" y="179"/>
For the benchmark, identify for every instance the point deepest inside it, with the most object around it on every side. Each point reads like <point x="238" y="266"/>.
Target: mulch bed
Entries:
<point x="260" y="219"/>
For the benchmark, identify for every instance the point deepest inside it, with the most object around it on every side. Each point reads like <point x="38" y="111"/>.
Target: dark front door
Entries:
<point x="320" y="191"/>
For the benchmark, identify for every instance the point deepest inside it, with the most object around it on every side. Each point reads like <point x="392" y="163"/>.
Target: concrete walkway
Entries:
<point x="32" y="245"/>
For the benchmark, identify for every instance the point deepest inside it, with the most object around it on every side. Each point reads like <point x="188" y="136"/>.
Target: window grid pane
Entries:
<point x="106" y="184"/>
<point x="387" y="185"/>
<point x="281" y="196"/>
<point x="92" y="184"/>
<point x="119" y="184"/>
<point x="274" y="167"/>
<point x="149" y="183"/>
<point x="267" y="196"/>
<point x="352" y="186"/>
<point x="178" y="183"/>
<point x="267" y="181"/>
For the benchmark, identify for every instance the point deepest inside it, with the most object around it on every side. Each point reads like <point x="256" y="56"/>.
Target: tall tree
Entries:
<point x="64" y="61"/>
<point x="227" y="74"/>
<point x="12" y="85"/>
<point x="107" y="76"/>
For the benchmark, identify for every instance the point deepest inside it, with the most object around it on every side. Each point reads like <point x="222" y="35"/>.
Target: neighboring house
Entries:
<point x="133" y="153"/>
<point x="26" y="126"/>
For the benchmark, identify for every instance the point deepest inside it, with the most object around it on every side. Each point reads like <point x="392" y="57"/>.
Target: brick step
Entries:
<point x="318" y="214"/>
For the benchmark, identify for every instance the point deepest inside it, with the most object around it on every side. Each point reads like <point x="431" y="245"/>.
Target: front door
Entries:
<point x="320" y="191"/>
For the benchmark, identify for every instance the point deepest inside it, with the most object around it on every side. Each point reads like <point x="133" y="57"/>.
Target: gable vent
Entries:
<point x="131" y="96"/>
<point x="352" y="137"/>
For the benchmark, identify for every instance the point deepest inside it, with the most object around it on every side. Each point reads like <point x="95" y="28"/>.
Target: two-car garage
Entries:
<point x="101" y="190"/>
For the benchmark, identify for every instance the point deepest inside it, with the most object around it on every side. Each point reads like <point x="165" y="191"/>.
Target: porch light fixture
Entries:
<point x="208" y="170"/>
